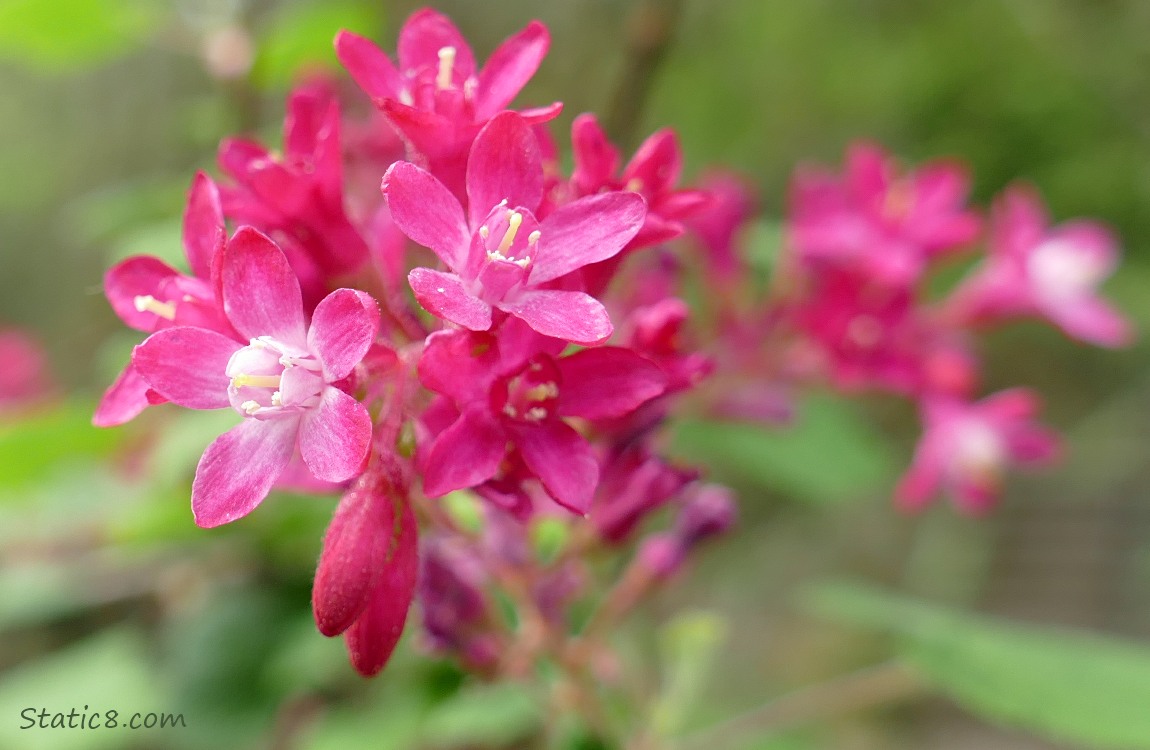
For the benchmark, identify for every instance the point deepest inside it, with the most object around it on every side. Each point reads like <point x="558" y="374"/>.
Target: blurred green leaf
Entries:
<point x="61" y="35"/>
<point x="485" y="715"/>
<point x="828" y="455"/>
<point x="301" y="36"/>
<point x="688" y="645"/>
<point x="34" y="446"/>
<point x="109" y="671"/>
<point x="1069" y="685"/>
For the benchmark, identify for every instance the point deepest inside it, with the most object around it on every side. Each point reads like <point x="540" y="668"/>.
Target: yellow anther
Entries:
<point x="635" y="184"/>
<point x="542" y="391"/>
<point x="256" y="381"/>
<point x="446" y="64"/>
<point x="148" y="303"/>
<point x="513" y="222"/>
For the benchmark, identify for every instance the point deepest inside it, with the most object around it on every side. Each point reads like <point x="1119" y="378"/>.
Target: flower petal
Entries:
<point x="587" y="231"/>
<point x="459" y="364"/>
<point x="134" y="277"/>
<point x="343" y="328"/>
<point x="1095" y="322"/>
<point x="372" y="638"/>
<point x="465" y="454"/>
<point x="607" y="382"/>
<point x="239" y="468"/>
<point x="571" y="316"/>
<point x="425" y="33"/>
<point x="187" y="366"/>
<point x="509" y="68"/>
<point x="369" y="66"/>
<point x="204" y="230"/>
<point x="334" y="436"/>
<point x="444" y="296"/>
<point x="505" y="164"/>
<point x="124" y="399"/>
<point x="596" y="158"/>
<point x="427" y="212"/>
<point x="562" y="460"/>
<point x="261" y="292"/>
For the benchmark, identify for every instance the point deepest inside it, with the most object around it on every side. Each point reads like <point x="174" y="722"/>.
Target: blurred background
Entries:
<point x="110" y="595"/>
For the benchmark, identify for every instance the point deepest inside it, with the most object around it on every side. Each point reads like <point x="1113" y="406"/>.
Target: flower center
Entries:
<point x="530" y="395"/>
<point x="509" y="240"/>
<point x="269" y="378"/>
<point x="1061" y="271"/>
<point x="979" y="451"/>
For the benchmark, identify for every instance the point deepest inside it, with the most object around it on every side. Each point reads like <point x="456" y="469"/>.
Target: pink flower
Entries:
<point x="653" y="172"/>
<point x="298" y="197"/>
<point x="149" y="295"/>
<point x="719" y="223"/>
<point x="284" y="382"/>
<point x="507" y="394"/>
<point x="436" y="97"/>
<point x="1054" y="273"/>
<point x="966" y="447"/>
<point x="886" y="224"/>
<point x="501" y="257"/>
<point x="24" y="378"/>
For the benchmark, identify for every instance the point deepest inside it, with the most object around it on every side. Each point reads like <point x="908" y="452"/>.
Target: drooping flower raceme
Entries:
<point x="500" y="255"/>
<point x="285" y="381"/>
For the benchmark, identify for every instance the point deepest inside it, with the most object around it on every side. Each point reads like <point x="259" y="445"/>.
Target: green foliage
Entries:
<point x="299" y="38"/>
<point x="64" y="35"/>
<point x="48" y="440"/>
<point x="688" y="645"/>
<point x="485" y="715"/>
<point x="829" y="455"/>
<point x="1072" y="686"/>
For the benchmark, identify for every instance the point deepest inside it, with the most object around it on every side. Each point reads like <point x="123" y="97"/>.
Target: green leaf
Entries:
<point x="485" y="715"/>
<point x="1070" y="685"/>
<point x="688" y="645"/>
<point x="828" y="455"/>
<point x="61" y="35"/>
<point x="301" y="37"/>
<point x="37" y="445"/>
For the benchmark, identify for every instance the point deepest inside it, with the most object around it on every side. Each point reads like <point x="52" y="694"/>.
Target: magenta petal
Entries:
<point x="596" y="159"/>
<point x="607" y="382"/>
<point x="424" y="34"/>
<point x="427" y="212"/>
<point x="924" y="477"/>
<point x="505" y="164"/>
<point x="134" y="277"/>
<point x="239" y="468"/>
<point x="562" y="460"/>
<point x="372" y="638"/>
<point x="571" y="316"/>
<point x="355" y="548"/>
<point x="204" y="230"/>
<point x="334" y="436"/>
<point x="1095" y="322"/>
<point x="459" y="364"/>
<point x="261" y="292"/>
<point x="368" y="65"/>
<point x="444" y="296"/>
<point x="509" y="68"/>
<point x="187" y="366"/>
<point x="465" y="454"/>
<point x="587" y="231"/>
<point x="123" y="401"/>
<point x="343" y="328"/>
<point x="657" y="163"/>
<point x="540" y="115"/>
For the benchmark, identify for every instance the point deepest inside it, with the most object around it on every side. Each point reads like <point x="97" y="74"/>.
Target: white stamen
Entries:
<point x="277" y="399"/>
<point x="148" y="303"/>
<point x="513" y="222"/>
<point x="484" y="232"/>
<point x="446" y="64"/>
<point x="251" y="407"/>
<point x="535" y="414"/>
<point x="533" y="238"/>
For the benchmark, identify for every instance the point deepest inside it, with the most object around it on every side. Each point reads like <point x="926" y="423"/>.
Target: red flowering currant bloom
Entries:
<point x="149" y="295"/>
<point x="966" y="447"/>
<point x="653" y="172"/>
<point x="284" y="382"/>
<point x="1054" y="273"/>
<point x="436" y="97"/>
<point x="717" y="225"/>
<point x="24" y="378"/>
<point x="505" y="394"/>
<point x="888" y="225"/>
<point x="501" y="257"/>
<point x="298" y="197"/>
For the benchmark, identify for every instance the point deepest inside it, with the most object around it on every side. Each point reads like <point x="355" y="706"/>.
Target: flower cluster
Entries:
<point x="524" y="393"/>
